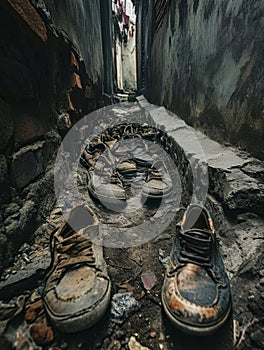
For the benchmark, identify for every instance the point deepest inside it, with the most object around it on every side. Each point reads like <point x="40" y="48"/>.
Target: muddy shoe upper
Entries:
<point x="105" y="184"/>
<point x="91" y="153"/>
<point x="77" y="287"/>
<point x="126" y="167"/>
<point x="158" y="183"/>
<point x="196" y="292"/>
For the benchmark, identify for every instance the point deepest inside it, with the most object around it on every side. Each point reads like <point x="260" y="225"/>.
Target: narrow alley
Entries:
<point x="117" y="118"/>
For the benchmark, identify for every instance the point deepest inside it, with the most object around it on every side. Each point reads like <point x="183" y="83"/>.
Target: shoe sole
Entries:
<point x="199" y="331"/>
<point x="147" y="196"/>
<point x="85" y="320"/>
<point x="108" y="201"/>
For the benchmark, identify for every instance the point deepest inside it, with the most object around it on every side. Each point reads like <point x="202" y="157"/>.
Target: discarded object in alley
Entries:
<point x="158" y="183"/>
<point x="120" y="154"/>
<point x="122" y="306"/>
<point x="196" y="293"/>
<point x="77" y="287"/>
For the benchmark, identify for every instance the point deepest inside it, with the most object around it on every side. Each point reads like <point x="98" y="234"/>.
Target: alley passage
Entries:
<point x="134" y="266"/>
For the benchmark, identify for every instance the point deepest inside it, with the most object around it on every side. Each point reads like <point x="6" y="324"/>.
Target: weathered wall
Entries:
<point x="81" y="21"/>
<point x="205" y="62"/>
<point x="44" y="88"/>
<point x="129" y="64"/>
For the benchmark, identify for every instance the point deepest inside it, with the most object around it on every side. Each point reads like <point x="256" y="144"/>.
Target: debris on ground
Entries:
<point x="163" y="258"/>
<point x="133" y="344"/>
<point x="148" y="279"/>
<point x="42" y="334"/>
<point x="9" y="310"/>
<point x="122" y="306"/>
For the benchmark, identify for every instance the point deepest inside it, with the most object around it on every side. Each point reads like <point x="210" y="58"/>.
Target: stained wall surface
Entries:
<point x="204" y="61"/>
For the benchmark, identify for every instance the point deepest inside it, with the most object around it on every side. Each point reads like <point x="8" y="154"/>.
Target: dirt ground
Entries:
<point x="147" y="327"/>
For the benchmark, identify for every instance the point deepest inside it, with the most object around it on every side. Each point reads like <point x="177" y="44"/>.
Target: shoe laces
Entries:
<point x="196" y="246"/>
<point x="74" y="249"/>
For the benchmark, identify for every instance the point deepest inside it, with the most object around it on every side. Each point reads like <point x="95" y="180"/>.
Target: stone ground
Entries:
<point x="23" y="319"/>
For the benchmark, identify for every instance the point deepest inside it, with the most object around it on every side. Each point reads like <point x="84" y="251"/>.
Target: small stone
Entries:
<point x="30" y="315"/>
<point x="152" y="334"/>
<point x="261" y="281"/>
<point x="261" y="273"/>
<point x="149" y="280"/>
<point x="159" y="213"/>
<point x="133" y="344"/>
<point x="33" y="311"/>
<point x="42" y="334"/>
<point x="122" y="306"/>
<point x="161" y="337"/>
<point x="114" y="345"/>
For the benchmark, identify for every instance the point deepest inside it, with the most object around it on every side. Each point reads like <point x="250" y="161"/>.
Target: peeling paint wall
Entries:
<point x="205" y="62"/>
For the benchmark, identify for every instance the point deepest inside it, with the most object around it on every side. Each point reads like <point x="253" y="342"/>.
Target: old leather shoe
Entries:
<point x="158" y="184"/>
<point x="196" y="292"/>
<point x="77" y="287"/>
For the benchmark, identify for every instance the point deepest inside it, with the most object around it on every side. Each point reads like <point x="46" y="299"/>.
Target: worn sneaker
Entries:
<point x="91" y="153"/>
<point x="127" y="168"/>
<point x="158" y="184"/>
<point x="105" y="184"/>
<point x="148" y="132"/>
<point x="110" y="138"/>
<point x="196" y="292"/>
<point x="77" y="287"/>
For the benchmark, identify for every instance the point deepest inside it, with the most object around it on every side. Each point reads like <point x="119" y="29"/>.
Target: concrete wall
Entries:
<point x="206" y="64"/>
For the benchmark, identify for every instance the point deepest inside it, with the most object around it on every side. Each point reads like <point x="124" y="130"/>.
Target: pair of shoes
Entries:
<point x="195" y="294"/>
<point x="110" y="137"/>
<point x="106" y="185"/>
<point x="132" y="154"/>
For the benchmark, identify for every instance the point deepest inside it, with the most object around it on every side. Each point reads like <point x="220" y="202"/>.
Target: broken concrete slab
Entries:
<point x="161" y="117"/>
<point x="230" y="177"/>
<point x="27" y="278"/>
